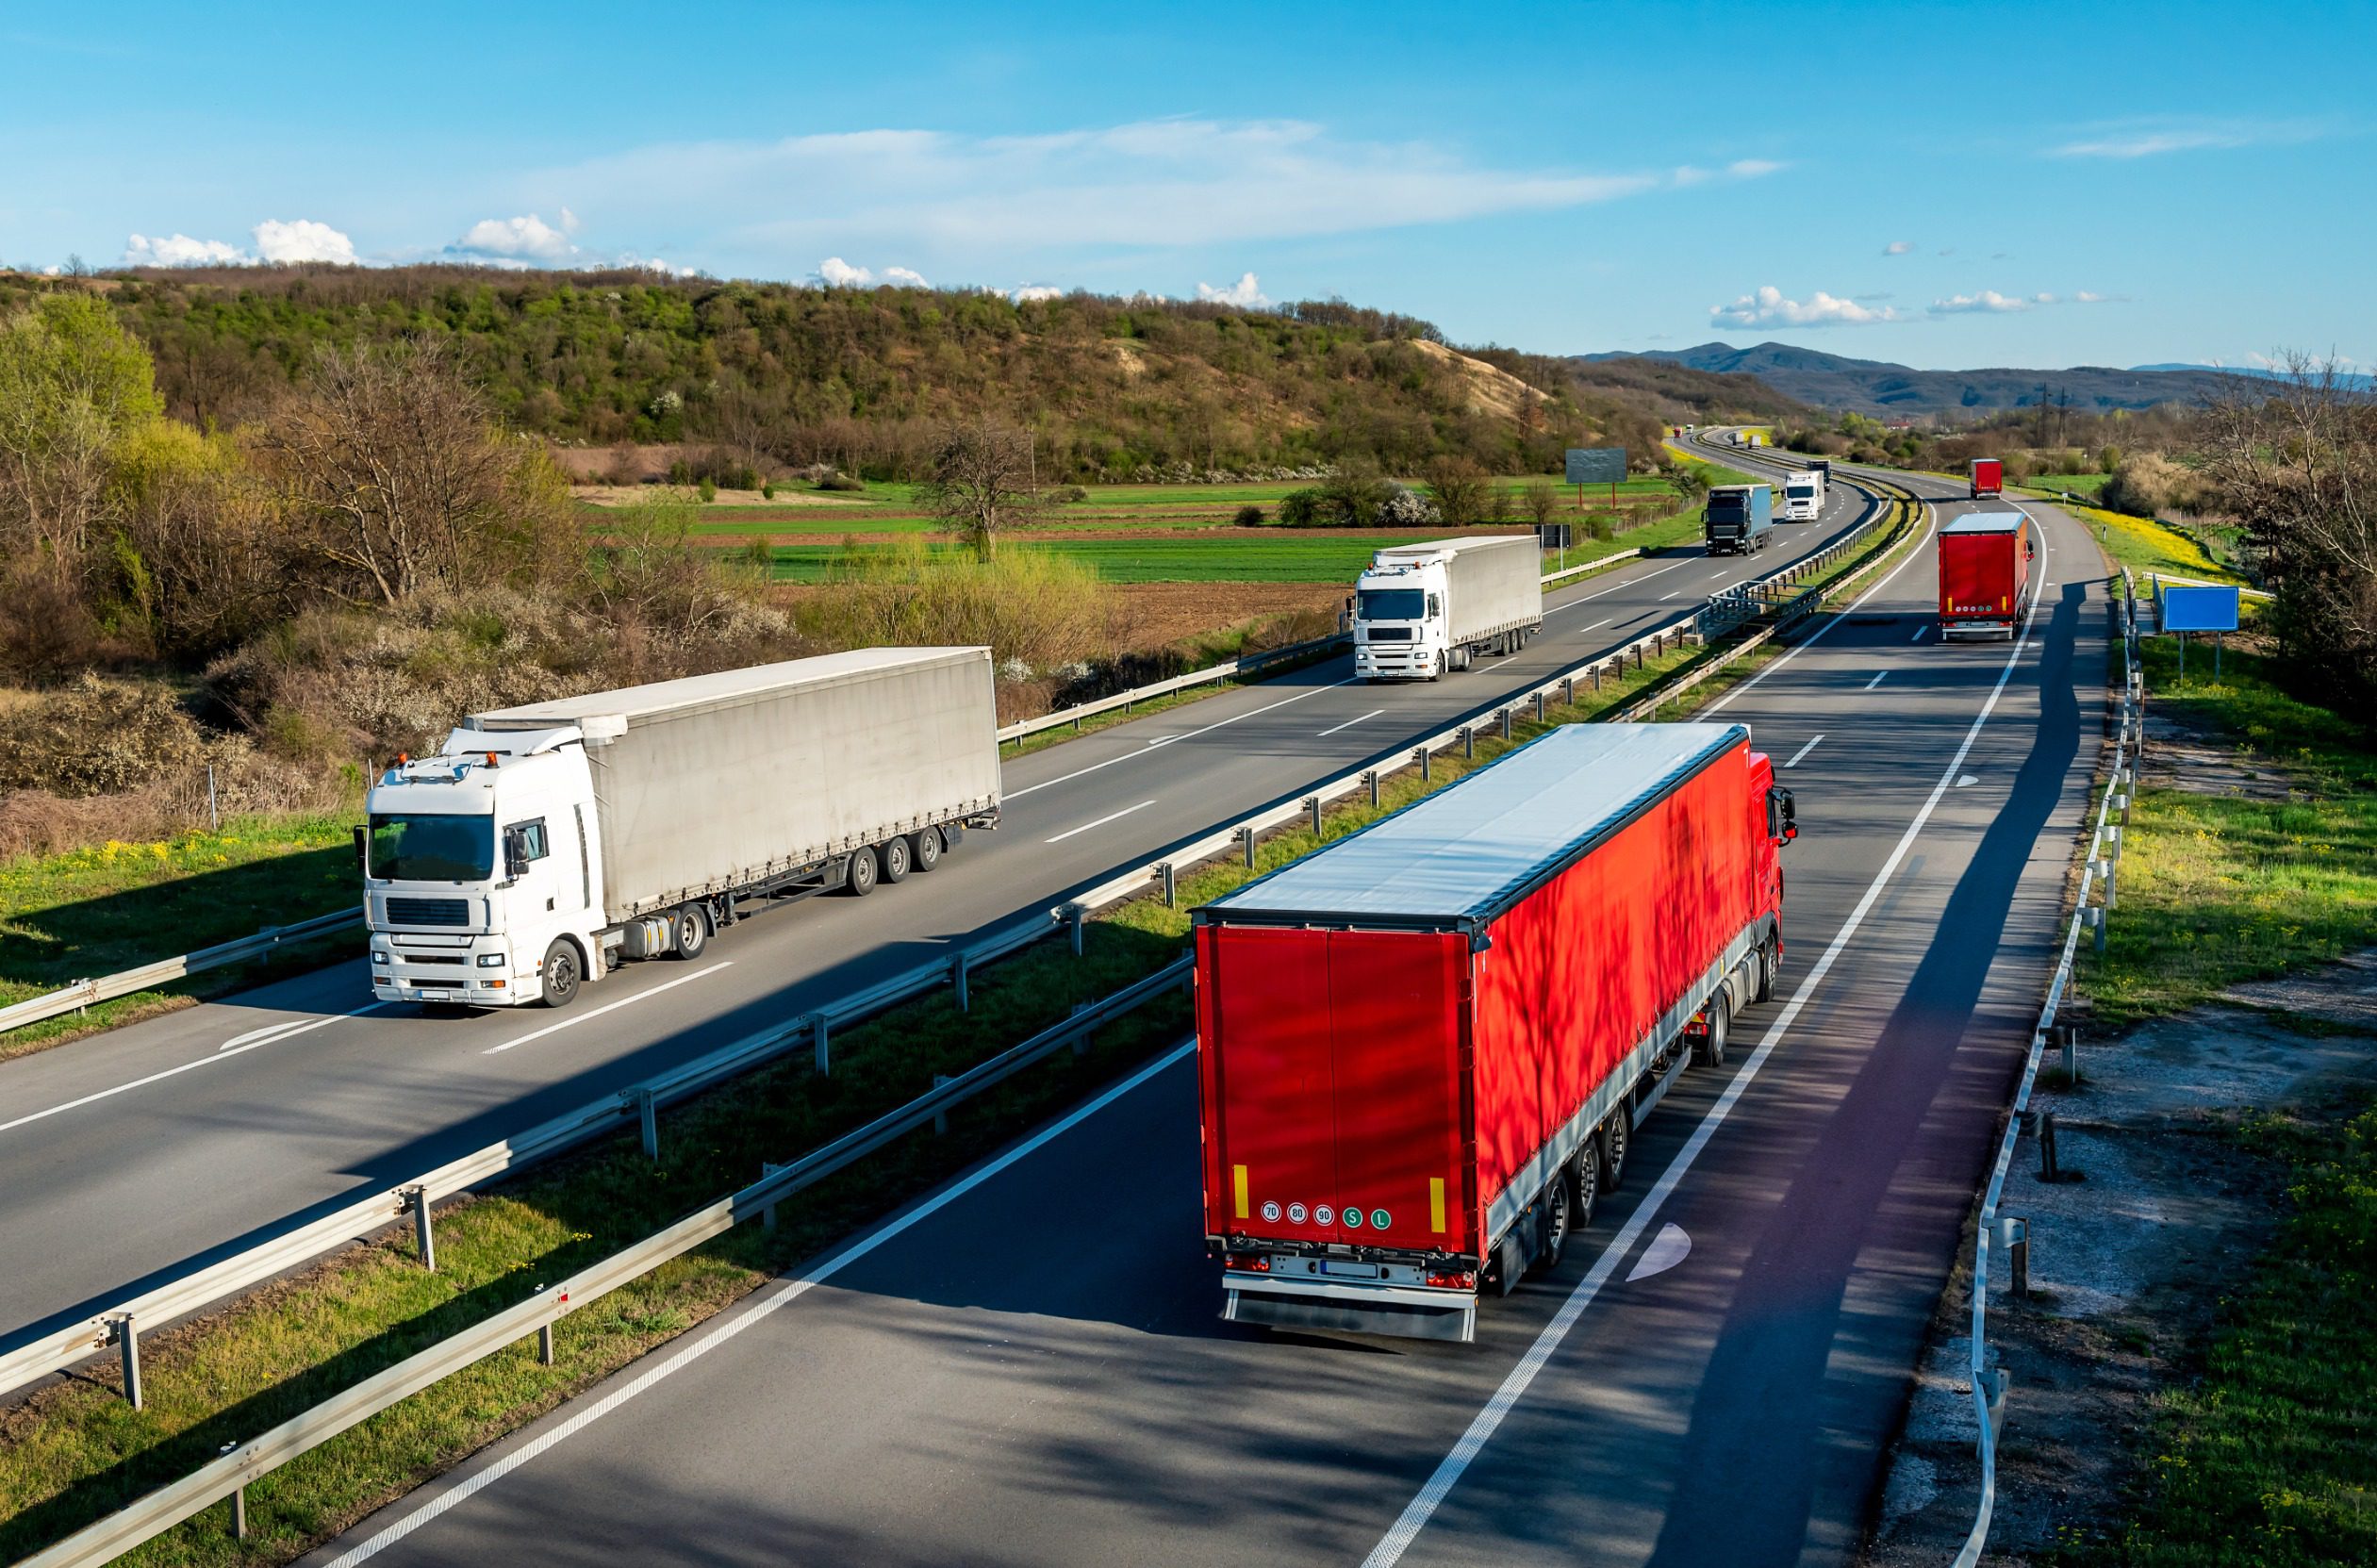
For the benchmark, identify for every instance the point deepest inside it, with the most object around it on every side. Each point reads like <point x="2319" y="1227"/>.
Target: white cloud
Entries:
<point x="634" y="263"/>
<point x="180" y="250"/>
<point x="1688" y="174"/>
<point x="1752" y="168"/>
<point x="303" y="239"/>
<point x="1898" y="247"/>
<point x="1989" y="302"/>
<point x="904" y="275"/>
<point x="1026" y="293"/>
<point x="1768" y="308"/>
<point x="1246" y="293"/>
<point x="834" y="272"/>
<point x="2151" y="138"/>
<point x="524" y="239"/>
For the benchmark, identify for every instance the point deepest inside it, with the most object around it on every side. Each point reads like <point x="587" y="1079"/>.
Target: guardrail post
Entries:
<point x="767" y="1211"/>
<point x="2017" y="1233"/>
<point x="1538" y="707"/>
<point x="2048" y="1169"/>
<point x="544" y="1344"/>
<point x="424" y="1228"/>
<point x="1468" y="744"/>
<point x="126" y="1334"/>
<point x="821" y="1032"/>
<point x="1370" y="777"/>
<point x="940" y="1118"/>
<point x="647" y="1111"/>
<point x="959" y="965"/>
<point x="2093" y="919"/>
<point x="1596" y="676"/>
<point x="2103" y="867"/>
<point x="1171" y="886"/>
<point x="1421" y="753"/>
<point x="1076" y="918"/>
<point x="1313" y="804"/>
<point x="1568" y="691"/>
<point x="2070" y="1043"/>
<point x="240" y="1513"/>
<point x="1246" y="837"/>
<point x="1504" y="717"/>
<point x="1081" y="1041"/>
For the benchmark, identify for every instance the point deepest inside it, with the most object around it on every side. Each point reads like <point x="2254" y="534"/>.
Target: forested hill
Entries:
<point x="1117" y="388"/>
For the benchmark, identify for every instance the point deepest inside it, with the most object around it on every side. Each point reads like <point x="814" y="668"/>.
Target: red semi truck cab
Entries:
<point x="1423" y="1048"/>
<point x="1985" y="562"/>
<point x="1988" y="477"/>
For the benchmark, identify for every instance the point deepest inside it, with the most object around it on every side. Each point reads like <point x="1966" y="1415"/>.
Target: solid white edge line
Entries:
<point x="1111" y="816"/>
<point x="1416" y="1514"/>
<point x="271" y="1035"/>
<point x="1351" y="722"/>
<point x="576" y="1018"/>
<point x="758" y="1313"/>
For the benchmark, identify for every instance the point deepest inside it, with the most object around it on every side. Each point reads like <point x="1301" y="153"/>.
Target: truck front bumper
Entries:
<point x="1394" y="661"/>
<point x="446" y="969"/>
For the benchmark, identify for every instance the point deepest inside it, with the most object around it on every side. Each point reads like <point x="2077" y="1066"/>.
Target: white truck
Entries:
<point x="1804" y="496"/>
<point x="1421" y="610"/>
<point x="543" y="844"/>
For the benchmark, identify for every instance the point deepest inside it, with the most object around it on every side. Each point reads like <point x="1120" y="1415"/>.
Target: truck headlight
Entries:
<point x="490" y="960"/>
<point x="379" y="957"/>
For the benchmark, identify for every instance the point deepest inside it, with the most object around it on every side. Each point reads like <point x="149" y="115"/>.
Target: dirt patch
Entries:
<point x="628" y="495"/>
<point x="1491" y="389"/>
<point x="2157" y="1216"/>
<point x="1161" y="614"/>
<point x="2178" y="756"/>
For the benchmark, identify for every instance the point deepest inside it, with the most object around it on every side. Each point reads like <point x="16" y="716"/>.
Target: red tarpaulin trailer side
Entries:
<point x="1984" y="561"/>
<point x="1405" y="1047"/>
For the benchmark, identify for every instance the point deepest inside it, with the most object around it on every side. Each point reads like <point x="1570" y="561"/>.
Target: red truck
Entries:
<point x="1424" y="1049"/>
<point x="1985" y="560"/>
<point x="1988" y="477"/>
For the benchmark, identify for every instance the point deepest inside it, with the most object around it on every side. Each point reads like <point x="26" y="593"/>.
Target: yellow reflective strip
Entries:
<point x="1238" y="1178"/>
<point x="1436" y="1203"/>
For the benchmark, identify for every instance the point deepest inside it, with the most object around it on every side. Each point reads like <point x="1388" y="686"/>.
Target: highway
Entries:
<point x="129" y="1157"/>
<point x="1026" y="1366"/>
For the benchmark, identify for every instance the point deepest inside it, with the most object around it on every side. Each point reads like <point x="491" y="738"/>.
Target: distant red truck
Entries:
<point x="1985" y="562"/>
<point x="1988" y="477"/>
<point x="1424" y="1049"/>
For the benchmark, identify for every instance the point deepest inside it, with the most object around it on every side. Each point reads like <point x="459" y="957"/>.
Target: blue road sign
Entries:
<point x="1596" y="465"/>
<point x="2194" y="609"/>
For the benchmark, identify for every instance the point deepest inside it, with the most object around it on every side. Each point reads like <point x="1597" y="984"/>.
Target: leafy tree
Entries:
<point x="73" y="383"/>
<point x="1459" y="489"/>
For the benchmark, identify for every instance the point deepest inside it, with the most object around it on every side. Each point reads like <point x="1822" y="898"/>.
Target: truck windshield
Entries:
<point x="1798" y="487"/>
<point x="433" y="848"/>
<point x="1392" y="605"/>
<point x="1728" y="508"/>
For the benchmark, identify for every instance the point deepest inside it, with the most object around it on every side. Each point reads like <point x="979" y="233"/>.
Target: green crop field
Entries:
<point x="1242" y="557"/>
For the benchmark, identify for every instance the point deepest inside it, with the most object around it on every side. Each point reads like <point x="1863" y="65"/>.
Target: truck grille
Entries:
<point x="1388" y="633"/>
<point x="428" y="912"/>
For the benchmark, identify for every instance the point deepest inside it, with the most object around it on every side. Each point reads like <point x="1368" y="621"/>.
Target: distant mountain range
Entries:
<point x="1877" y="387"/>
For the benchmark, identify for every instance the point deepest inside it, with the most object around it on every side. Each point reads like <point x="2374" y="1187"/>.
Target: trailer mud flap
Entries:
<point x="1455" y="1319"/>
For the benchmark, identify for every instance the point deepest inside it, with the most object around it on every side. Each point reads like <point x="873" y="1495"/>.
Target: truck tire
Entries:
<point x="893" y="852"/>
<point x="1584" y="1182"/>
<point x="688" y="933"/>
<point x="863" y="874"/>
<point x="1767" y="966"/>
<point x="561" y="973"/>
<point x="1719" y="1025"/>
<point x="1551" y="1237"/>
<point x="924" y="848"/>
<point x="1617" y="1140"/>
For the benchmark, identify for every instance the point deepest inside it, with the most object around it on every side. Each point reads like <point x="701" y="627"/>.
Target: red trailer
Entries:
<point x="1988" y="477"/>
<point x="1984" y="561"/>
<point x="1423" y="1049"/>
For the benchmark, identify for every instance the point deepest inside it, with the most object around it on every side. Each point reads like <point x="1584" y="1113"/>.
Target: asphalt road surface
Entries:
<point x="1027" y="1366"/>
<point x="130" y="1157"/>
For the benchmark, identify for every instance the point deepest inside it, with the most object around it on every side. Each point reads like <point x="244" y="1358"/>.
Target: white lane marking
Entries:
<point x="270" y="1034"/>
<point x="794" y="1289"/>
<point x="1967" y="782"/>
<point x="576" y="1018"/>
<point x="1665" y="597"/>
<point x="1628" y="583"/>
<point x="1111" y="816"/>
<point x="1918" y="631"/>
<point x="1595" y="626"/>
<point x="1877" y="679"/>
<point x="1415" y="1515"/>
<point x="1803" y="751"/>
<point x="1668" y="1249"/>
<point x="1166" y="740"/>
<point x="1793" y="652"/>
<point x="1351" y="722"/>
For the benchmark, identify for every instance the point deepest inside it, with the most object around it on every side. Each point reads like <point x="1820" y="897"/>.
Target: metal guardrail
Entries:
<point x="118" y="1326"/>
<point x="83" y="993"/>
<point x="227" y="1475"/>
<point x="1989" y="1388"/>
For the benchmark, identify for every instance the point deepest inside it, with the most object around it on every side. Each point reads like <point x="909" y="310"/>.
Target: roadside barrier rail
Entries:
<point x="2098" y="872"/>
<point x="83" y="993"/>
<point x="118" y="1326"/>
<point x="228" y="1475"/>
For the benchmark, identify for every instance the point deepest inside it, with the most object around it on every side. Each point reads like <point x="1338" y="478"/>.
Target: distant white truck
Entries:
<point x="1423" y="610"/>
<point x="543" y="844"/>
<point x="1804" y="496"/>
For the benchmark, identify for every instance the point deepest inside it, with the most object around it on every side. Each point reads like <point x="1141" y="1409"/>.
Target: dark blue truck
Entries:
<point x="1739" y="518"/>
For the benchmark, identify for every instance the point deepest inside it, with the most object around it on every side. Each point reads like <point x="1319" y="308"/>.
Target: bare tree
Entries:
<point x="1460" y="490"/>
<point x="982" y="483"/>
<point x="1542" y="500"/>
<point x="395" y="453"/>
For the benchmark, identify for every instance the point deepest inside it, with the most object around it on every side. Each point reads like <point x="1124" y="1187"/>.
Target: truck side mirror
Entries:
<point x="362" y="858"/>
<point x="515" y="853"/>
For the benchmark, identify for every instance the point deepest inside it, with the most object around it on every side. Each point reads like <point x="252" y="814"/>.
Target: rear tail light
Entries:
<point x="1463" y="1281"/>
<point x="1252" y="1265"/>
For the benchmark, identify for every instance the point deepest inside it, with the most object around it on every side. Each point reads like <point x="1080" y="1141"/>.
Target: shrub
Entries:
<point x="2150" y="484"/>
<point x="1351" y="497"/>
<point x="840" y="480"/>
<point x="1405" y="509"/>
<point x="98" y="736"/>
<point x="1249" y="516"/>
<point x="709" y="491"/>
<point x="1300" y="508"/>
<point x="1030" y="607"/>
<point x="1066" y="495"/>
<point x="767" y="490"/>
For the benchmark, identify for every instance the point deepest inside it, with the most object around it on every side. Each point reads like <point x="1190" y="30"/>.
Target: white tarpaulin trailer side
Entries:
<point x="1497" y="582"/>
<point x="724" y="781"/>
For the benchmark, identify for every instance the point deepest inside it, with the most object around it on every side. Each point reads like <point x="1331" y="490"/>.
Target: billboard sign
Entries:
<point x="1596" y="465"/>
<point x="2198" y="609"/>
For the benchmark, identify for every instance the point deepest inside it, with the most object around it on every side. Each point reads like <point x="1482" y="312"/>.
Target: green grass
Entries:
<point x="2270" y="1461"/>
<point x="1242" y="556"/>
<point x="98" y="911"/>
<point x="2146" y="546"/>
<point x="2218" y="888"/>
<point x="2079" y="483"/>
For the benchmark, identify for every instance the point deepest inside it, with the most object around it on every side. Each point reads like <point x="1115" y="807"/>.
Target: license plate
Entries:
<point x="1352" y="1271"/>
<point x="434" y="996"/>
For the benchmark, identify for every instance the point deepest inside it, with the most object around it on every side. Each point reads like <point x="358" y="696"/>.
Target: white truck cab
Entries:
<point x="1804" y="496"/>
<point x="1400" y="631"/>
<point x="482" y="875"/>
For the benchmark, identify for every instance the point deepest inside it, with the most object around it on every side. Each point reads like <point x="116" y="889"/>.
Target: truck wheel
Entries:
<point x="688" y="933"/>
<point x="1552" y="1243"/>
<point x="861" y="878"/>
<point x="1617" y="1139"/>
<point x="561" y="973"/>
<point x="1712" y="1048"/>
<point x="1767" y="965"/>
<point x="894" y="853"/>
<point x="924" y="848"/>
<point x="1584" y="1173"/>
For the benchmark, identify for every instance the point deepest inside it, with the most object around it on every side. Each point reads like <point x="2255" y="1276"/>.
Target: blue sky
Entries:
<point x="1947" y="186"/>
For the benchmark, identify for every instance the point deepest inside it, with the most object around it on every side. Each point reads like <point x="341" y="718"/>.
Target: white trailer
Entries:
<point x="545" y="843"/>
<point x="1804" y="496"/>
<point x="1421" y="610"/>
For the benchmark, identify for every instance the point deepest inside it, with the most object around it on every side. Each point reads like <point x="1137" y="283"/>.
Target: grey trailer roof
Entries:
<point x="1467" y="852"/>
<point x="1451" y="547"/>
<point x="1984" y="522"/>
<point x="725" y="689"/>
